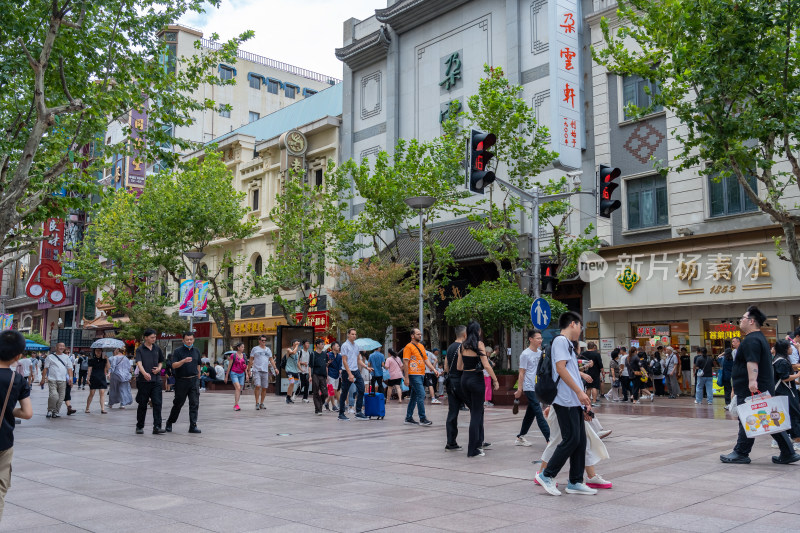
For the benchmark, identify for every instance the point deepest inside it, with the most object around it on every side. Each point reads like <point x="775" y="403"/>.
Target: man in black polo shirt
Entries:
<point x="752" y="373"/>
<point x="149" y="360"/>
<point x="186" y="369"/>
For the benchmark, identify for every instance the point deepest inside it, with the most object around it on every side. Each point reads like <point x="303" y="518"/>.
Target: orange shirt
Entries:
<point x="414" y="358"/>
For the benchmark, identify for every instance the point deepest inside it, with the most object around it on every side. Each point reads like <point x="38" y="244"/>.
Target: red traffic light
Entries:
<point x="607" y="186"/>
<point x="478" y="177"/>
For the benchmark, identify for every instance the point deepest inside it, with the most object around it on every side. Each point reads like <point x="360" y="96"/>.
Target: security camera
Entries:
<point x="575" y="177"/>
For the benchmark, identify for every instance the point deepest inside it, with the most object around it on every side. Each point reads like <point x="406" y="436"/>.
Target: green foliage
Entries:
<point x="312" y="233"/>
<point x="497" y="305"/>
<point x="149" y="314"/>
<point x="521" y="151"/>
<point x="67" y="70"/>
<point x="728" y="71"/>
<point x="373" y="296"/>
<point x="36" y="337"/>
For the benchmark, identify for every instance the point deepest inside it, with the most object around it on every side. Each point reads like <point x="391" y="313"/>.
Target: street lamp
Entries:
<point x="75" y="282"/>
<point x="420" y="203"/>
<point x="195" y="258"/>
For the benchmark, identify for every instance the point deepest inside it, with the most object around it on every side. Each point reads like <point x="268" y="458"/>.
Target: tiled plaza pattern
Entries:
<point x="92" y="473"/>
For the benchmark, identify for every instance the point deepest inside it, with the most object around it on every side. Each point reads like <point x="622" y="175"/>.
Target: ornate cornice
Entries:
<point x="366" y="50"/>
<point x="408" y="14"/>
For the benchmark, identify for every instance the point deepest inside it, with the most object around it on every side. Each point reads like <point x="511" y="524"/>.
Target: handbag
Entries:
<point x="764" y="414"/>
<point x="719" y="378"/>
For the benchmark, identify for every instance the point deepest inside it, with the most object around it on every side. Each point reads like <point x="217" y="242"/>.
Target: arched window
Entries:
<point x="258" y="266"/>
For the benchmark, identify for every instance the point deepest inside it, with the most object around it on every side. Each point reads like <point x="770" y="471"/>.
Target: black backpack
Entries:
<point x="656" y="367"/>
<point x="546" y="387"/>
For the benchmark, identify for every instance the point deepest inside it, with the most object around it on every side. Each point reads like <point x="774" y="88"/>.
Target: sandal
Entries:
<point x="87" y="410"/>
<point x="104" y="412"/>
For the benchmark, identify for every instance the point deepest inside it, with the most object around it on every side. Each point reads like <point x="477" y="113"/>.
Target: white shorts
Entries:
<point x="334" y="382"/>
<point x="260" y="379"/>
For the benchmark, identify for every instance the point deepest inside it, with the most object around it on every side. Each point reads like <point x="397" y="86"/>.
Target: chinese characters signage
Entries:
<point x="452" y="71"/>
<point x="44" y="281"/>
<point x="319" y="320"/>
<point x="565" y="81"/>
<point x="251" y="328"/>
<point x="136" y="165"/>
<point x="723" y="331"/>
<point x="652" y="331"/>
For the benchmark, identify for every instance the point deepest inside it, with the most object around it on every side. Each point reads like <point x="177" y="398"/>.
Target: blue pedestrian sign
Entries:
<point x="540" y="313"/>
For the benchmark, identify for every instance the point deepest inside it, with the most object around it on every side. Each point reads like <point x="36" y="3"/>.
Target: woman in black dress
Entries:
<point x="98" y="378"/>
<point x="784" y="384"/>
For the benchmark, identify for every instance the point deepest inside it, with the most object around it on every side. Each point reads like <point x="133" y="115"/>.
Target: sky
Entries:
<point x="303" y="33"/>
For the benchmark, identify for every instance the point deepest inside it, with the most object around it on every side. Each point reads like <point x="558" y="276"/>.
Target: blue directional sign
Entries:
<point x="540" y="313"/>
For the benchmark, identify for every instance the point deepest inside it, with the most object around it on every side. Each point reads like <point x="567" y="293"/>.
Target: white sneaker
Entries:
<point x="488" y="404"/>
<point x="579" y="488"/>
<point x="604" y="433"/>
<point x="548" y="484"/>
<point x="435" y="401"/>
<point x="351" y="411"/>
<point x="306" y="401"/>
<point x="774" y="444"/>
<point x="597" y="482"/>
<point x="728" y="407"/>
<point x="795" y="445"/>
<point x="202" y="389"/>
<point x="522" y="441"/>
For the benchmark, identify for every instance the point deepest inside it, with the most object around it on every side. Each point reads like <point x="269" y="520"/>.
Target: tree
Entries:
<point x="728" y="71"/>
<point x="311" y="233"/>
<point x="69" y="69"/>
<point x="415" y="168"/>
<point x="189" y="209"/>
<point x="521" y="151"/>
<point x="372" y="296"/>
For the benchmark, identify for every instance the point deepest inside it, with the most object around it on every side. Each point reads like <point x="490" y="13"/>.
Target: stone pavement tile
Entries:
<point x="758" y="498"/>
<point x="347" y="522"/>
<point x="638" y="528"/>
<point x="128" y="522"/>
<point x="236" y="521"/>
<point x="55" y="528"/>
<point x="16" y="517"/>
<point x="413" y="527"/>
<point x="468" y="522"/>
<point x="185" y="510"/>
<point x="293" y="527"/>
<point x="773" y="522"/>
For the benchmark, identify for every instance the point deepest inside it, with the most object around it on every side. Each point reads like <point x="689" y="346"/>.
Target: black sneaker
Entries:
<point x="412" y="421"/>
<point x="735" y="458"/>
<point x="194" y="429"/>
<point x="49" y="414"/>
<point x="464" y="408"/>
<point x="453" y="448"/>
<point x="139" y="431"/>
<point x="486" y="445"/>
<point x="327" y="407"/>
<point x="781" y="460"/>
<point x="159" y="431"/>
<point x="342" y="416"/>
<point x="361" y="416"/>
<point x="425" y="422"/>
<point x="168" y="428"/>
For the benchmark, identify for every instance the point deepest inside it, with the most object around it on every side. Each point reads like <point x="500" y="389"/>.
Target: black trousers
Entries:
<point x="534" y="411"/>
<point x="303" y="388"/>
<point x="744" y="445"/>
<point x="320" y="391"/>
<point x="454" y="403"/>
<point x="82" y="377"/>
<point x="658" y="383"/>
<point x="148" y="391"/>
<point x="728" y="387"/>
<point x="376" y="384"/>
<point x="185" y="388"/>
<point x="473" y="390"/>
<point x="626" y="387"/>
<point x="637" y="386"/>
<point x="572" y="446"/>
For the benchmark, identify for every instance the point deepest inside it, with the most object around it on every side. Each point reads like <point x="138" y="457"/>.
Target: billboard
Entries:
<point x="193" y="295"/>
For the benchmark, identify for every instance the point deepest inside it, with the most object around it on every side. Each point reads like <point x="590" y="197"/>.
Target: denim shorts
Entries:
<point x="237" y="378"/>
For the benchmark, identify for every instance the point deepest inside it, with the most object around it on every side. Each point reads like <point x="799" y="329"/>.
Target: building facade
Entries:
<point x="686" y="253"/>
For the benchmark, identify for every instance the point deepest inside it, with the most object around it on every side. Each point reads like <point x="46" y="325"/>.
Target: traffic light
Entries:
<point x="549" y="280"/>
<point x="478" y="176"/>
<point x="607" y="175"/>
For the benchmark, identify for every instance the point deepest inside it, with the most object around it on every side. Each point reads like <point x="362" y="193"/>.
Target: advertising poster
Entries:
<point x="283" y="341"/>
<point x="193" y="296"/>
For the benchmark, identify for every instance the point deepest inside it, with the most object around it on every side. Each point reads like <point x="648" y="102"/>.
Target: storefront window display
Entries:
<point x="717" y="334"/>
<point x="675" y="334"/>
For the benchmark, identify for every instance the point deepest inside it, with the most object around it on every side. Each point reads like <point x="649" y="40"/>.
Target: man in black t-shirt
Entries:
<point x="751" y="374"/>
<point x="149" y="360"/>
<point x="453" y="384"/>
<point x="686" y="372"/>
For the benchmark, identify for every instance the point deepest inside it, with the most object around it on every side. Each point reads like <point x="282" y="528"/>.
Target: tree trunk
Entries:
<point x="792" y="246"/>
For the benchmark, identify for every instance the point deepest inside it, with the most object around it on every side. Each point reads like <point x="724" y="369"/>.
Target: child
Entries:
<point x="13" y="389"/>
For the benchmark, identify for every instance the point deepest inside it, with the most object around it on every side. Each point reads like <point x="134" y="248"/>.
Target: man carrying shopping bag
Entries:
<point x="752" y="374"/>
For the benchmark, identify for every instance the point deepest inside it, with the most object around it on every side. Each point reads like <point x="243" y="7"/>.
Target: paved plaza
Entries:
<point x="287" y="470"/>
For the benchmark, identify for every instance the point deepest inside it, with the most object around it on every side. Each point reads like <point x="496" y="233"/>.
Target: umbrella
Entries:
<point x="107" y="344"/>
<point x="35" y="346"/>
<point x="366" y="345"/>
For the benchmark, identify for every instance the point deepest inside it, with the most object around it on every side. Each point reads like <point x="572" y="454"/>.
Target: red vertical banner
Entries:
<point x="44" y="278"/>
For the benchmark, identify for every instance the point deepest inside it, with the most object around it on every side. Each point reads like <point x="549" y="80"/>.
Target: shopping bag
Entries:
<point x="764" y="414"/>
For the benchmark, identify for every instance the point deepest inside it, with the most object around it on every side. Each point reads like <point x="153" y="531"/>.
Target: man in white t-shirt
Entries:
<point x="572" y="406"/>
<point x="24" y="368"/>
<point x="624" y="378"/>
<point x="260" y="364"/>
<point x="528" y="363"/>
<point x="302" y="363"/>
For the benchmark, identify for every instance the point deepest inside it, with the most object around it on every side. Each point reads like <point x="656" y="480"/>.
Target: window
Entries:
<point x="225" y="112"/>
<point x="226" y="73"/>
<point x="169" y="58"/>
<point x="291" y="90"/>
<point x="318" y="177"/>
<point x="647" y="202"/>
<point x="229" y="282"/>
<point x="308" y="92"/>
<point x="633" y="92"/>
<point x="727" y="196"/>
<point x="273" y="85"/>
<point x="255" y="81"/>
<point x="255" y="199"/>
<point x="253" y="116"/>
<point x="258" y="266"/>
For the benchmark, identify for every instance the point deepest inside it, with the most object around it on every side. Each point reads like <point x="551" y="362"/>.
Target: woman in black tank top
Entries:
<point x="472" y="361"/>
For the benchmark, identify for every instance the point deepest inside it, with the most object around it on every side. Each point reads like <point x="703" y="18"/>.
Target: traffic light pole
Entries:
<point x="535" y="197"/>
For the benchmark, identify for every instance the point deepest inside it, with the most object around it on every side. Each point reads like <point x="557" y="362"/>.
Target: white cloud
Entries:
<point x="303" y="33"/>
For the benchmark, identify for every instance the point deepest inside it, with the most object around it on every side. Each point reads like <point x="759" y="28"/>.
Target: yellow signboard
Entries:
<point x="252" y="327"/>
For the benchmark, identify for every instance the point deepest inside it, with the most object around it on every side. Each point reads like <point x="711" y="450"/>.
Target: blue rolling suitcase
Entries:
<point x="375" y="405"/>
